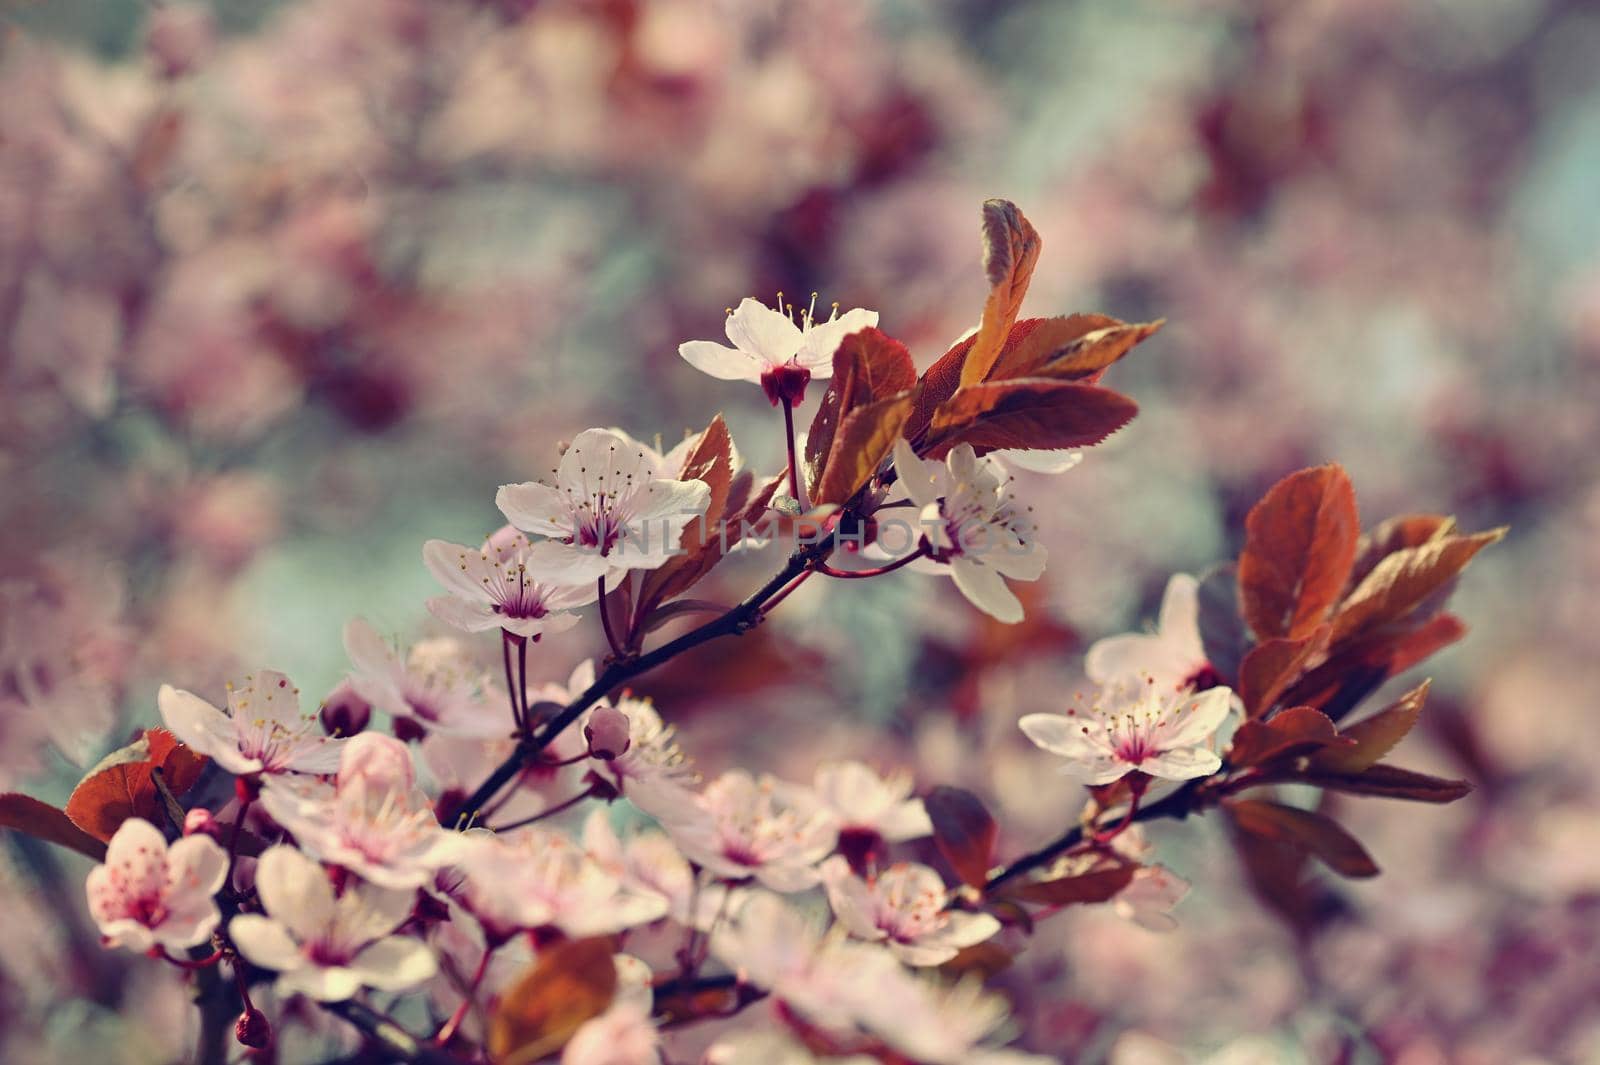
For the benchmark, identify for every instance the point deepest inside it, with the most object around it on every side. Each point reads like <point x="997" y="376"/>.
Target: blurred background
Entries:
<point x="287" y="288"/>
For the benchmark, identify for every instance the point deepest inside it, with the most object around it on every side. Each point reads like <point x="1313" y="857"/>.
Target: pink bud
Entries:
<point x="344" y="712"/>
<point x="383" y="762"/>
<point x="199" y="822"/>
<point x="607" y="733"/>
<point x="253" y="1030"/>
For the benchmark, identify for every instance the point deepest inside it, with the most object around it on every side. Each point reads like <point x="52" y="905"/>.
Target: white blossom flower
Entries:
<point x="973" y="524"/>
<point x="373" y="820"/>
<point x="743" y="828"/>
<point x="524" y="588"/>
<point x="1173" y="655"/>
<point x="771" y="350"/>
<point x="1158" y="732"/>
<point x="538" y="878"/>
<point x="323" y="946"/>
<point x="150" y="894"/>
<point x="608" y="499"/>
<point x="863" y="801"/>
<point x="438" y="688"/>
<point x="904" y="907"/>
<point x="262" y="732"/>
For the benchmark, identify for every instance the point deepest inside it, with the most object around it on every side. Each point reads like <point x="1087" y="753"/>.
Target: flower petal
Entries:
<point x="986" y="590"/>
<point x="395" y="964"/>
<point x="720" y="361"/>
<point x="265" y="942"/>
<point x="1184" y="763"/>
<point x="759" y="330"/>
<point x="196" y="723"/>
<point x="295" y="891"/>
<point x="535" y="508"/>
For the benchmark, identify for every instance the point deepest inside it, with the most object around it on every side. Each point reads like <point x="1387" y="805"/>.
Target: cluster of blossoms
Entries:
<point x="527" y="926"/>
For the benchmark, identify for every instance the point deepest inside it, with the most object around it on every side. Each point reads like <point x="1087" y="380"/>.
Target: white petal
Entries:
<point x="914" y="475"/>
<point x="1200" y="717"/>
<point x="922" y="953"/>
<point x="460" y="569"/>
<point x="395" y="964"/>
<point x="720" y="361"/>
<point x="196" y="723"/>
<point x="1180" y="616"/>
<point x="909" y="820"/>
<point x="295" y="891"/>
<point x="468" y="617"/>
<point x="559" y="566"/>
<point x="267" y="696"/>
<point x="986" y="590"/>
<point x="188" y="924"/>
<point x="196" y="865"/>
<point x="1051" y="461"/>
<point x="1061" y="735"/>
<point x="1185" y="763"/>
<point x="333" y="984"/>
<point x="824" y="338"/>
<point x="758" y="329"/>
<point x="265" y="942"/>
<point x="535" y="508"/>
<point x="851" y="899"/>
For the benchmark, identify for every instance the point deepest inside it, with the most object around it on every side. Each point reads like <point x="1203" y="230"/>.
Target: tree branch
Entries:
<point x="393" y="1038"/>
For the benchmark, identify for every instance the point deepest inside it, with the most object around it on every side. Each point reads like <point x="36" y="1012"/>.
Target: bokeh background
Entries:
<point x="287" y="288"/>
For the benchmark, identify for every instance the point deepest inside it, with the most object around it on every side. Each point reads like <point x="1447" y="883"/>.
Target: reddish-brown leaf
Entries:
<point x="1010" y="250"/>
<point x="709" y="460"/>
<point x="1271" y="666"/>
<point x="1395" y="534"/>
<point x="1035" y="341"/>
<point x="569" y="984"/>
<point x="1391" y="782"/>
<point x="1316" y="834"/>
<point x="1101" y="885"/>
<point x="1027" y="413"/>
<point x="25" y="814"/>
<point x="1077" y="347"/>
<point x="863" y="441"/>
<point x="1300" y="542"/>
<point x="964" y="832"/>
<point x="121" y="787"/>
<point x="1402" y="581"/>
<point x="870" y="366"/>
<point x="1292" y="732"/>
<point x="1359" y="666"/>
<point x="1374" y="737"/>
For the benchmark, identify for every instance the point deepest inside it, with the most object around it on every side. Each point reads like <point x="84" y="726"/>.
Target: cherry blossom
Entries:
<point x="972" y="523"/>
<point x="1051" y="461"/>
<point x="1157" y="732"/>
<point x="536" y="877"/>
<point x="1149" y="899"/>
<point x="864" y="801"/>
<point x="151" y="894"/>
<point x="951" y="1025"/>
<point x="1173" y="655"/>
<point x="372" y="820"/>
<point x="263" y="730"/>
<point x="651" y="772"/>
<point x="437" y="688"/>
<point x="771" y="350"/>
<point x="906" y="908"/>
<point x="624" y="1033"/>
<point x="524" y="588"/>
<point x="741" y="827"/>
<point x="608" y="499"/>
<point x="324" y="946"/>
<point x="649" y="863"/>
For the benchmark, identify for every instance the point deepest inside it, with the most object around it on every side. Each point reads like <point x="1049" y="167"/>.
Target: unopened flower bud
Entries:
<point x="199" y="822"/>
<point x="253" y="1030"/>
<point x="607" y="733"/>
<point x="344" y="712"/>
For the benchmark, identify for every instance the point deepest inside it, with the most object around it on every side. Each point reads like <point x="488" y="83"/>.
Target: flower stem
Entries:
<point x="877" y="571"/>
<point x="788" y="434"/>
<point x="551" y="811"/>
<point x="448" y="1032"/>
<point x="511" y="682"/>
<point x="233" y="840"/>
<point x="605" y="621"/>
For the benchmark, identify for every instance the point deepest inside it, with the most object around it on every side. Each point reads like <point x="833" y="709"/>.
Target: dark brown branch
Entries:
<point x="393" y="1038"/>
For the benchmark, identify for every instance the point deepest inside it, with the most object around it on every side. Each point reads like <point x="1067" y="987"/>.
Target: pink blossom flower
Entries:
<point x="323" y="946"/>
<point x="863" y="801"/>
<point x="973" y="525"/>
<point x="508" y="583"/>
<point x="742" y="828"/>
<point x="437" y="688"/>
<point x="608" y="500"/>
<point x="905" y="908"/>
<point x="1173" y="655"/>
<point x="652" y="772"/>
<point x="1149" y="899"/>
<point x="538" y="878"/>
<point x="648" y="863"/>
<point x="1154" y="731"/>
<point x="373" y="820"/>
<point x="149" y="894"/>
<point x="769" y="349"/>
<point x="262" y="732"/>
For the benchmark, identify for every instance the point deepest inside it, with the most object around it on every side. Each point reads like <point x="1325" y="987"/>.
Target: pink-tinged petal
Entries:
<point x="1185" y="763"/>
<point x="375" y="911"/>
<point x="851" y="898"/>
<point x="1198" y="719"/>
<point x="295" y="891"/>
<point x="1180" y="617"/>
<point x="559" y="566"/>
<point x="265" y="942"/>
<point x="106" y="900"/>
<point x="1101" y="770"/>
<point x="1063" y="735"/>
<point x="395" y="964"/>
<point x="469" y="617"/>
<point x="755" y="328"/>
<point x="722" y="362"/>
<point x="601" y="457"/>
<point x="188" y="924"/>
<point x="462" y="570"/>
<point x="266" y="696"/>
<point x="197" y="724"/>
<point x="535" y="508"/>
<point x="137" y="859"/>
<point x="986" y="590"/>
<point x="923" y="953"/>
<point x="963" y="930"/>
<point x="333" y="984"/>
<point x="128" y="934"/>
<point x="196" y="866"/>
<point x="316" y="755"/>
<point x="377" y="665"/>
<point x="382" y="763"/>
<point x="786" y="879"/>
